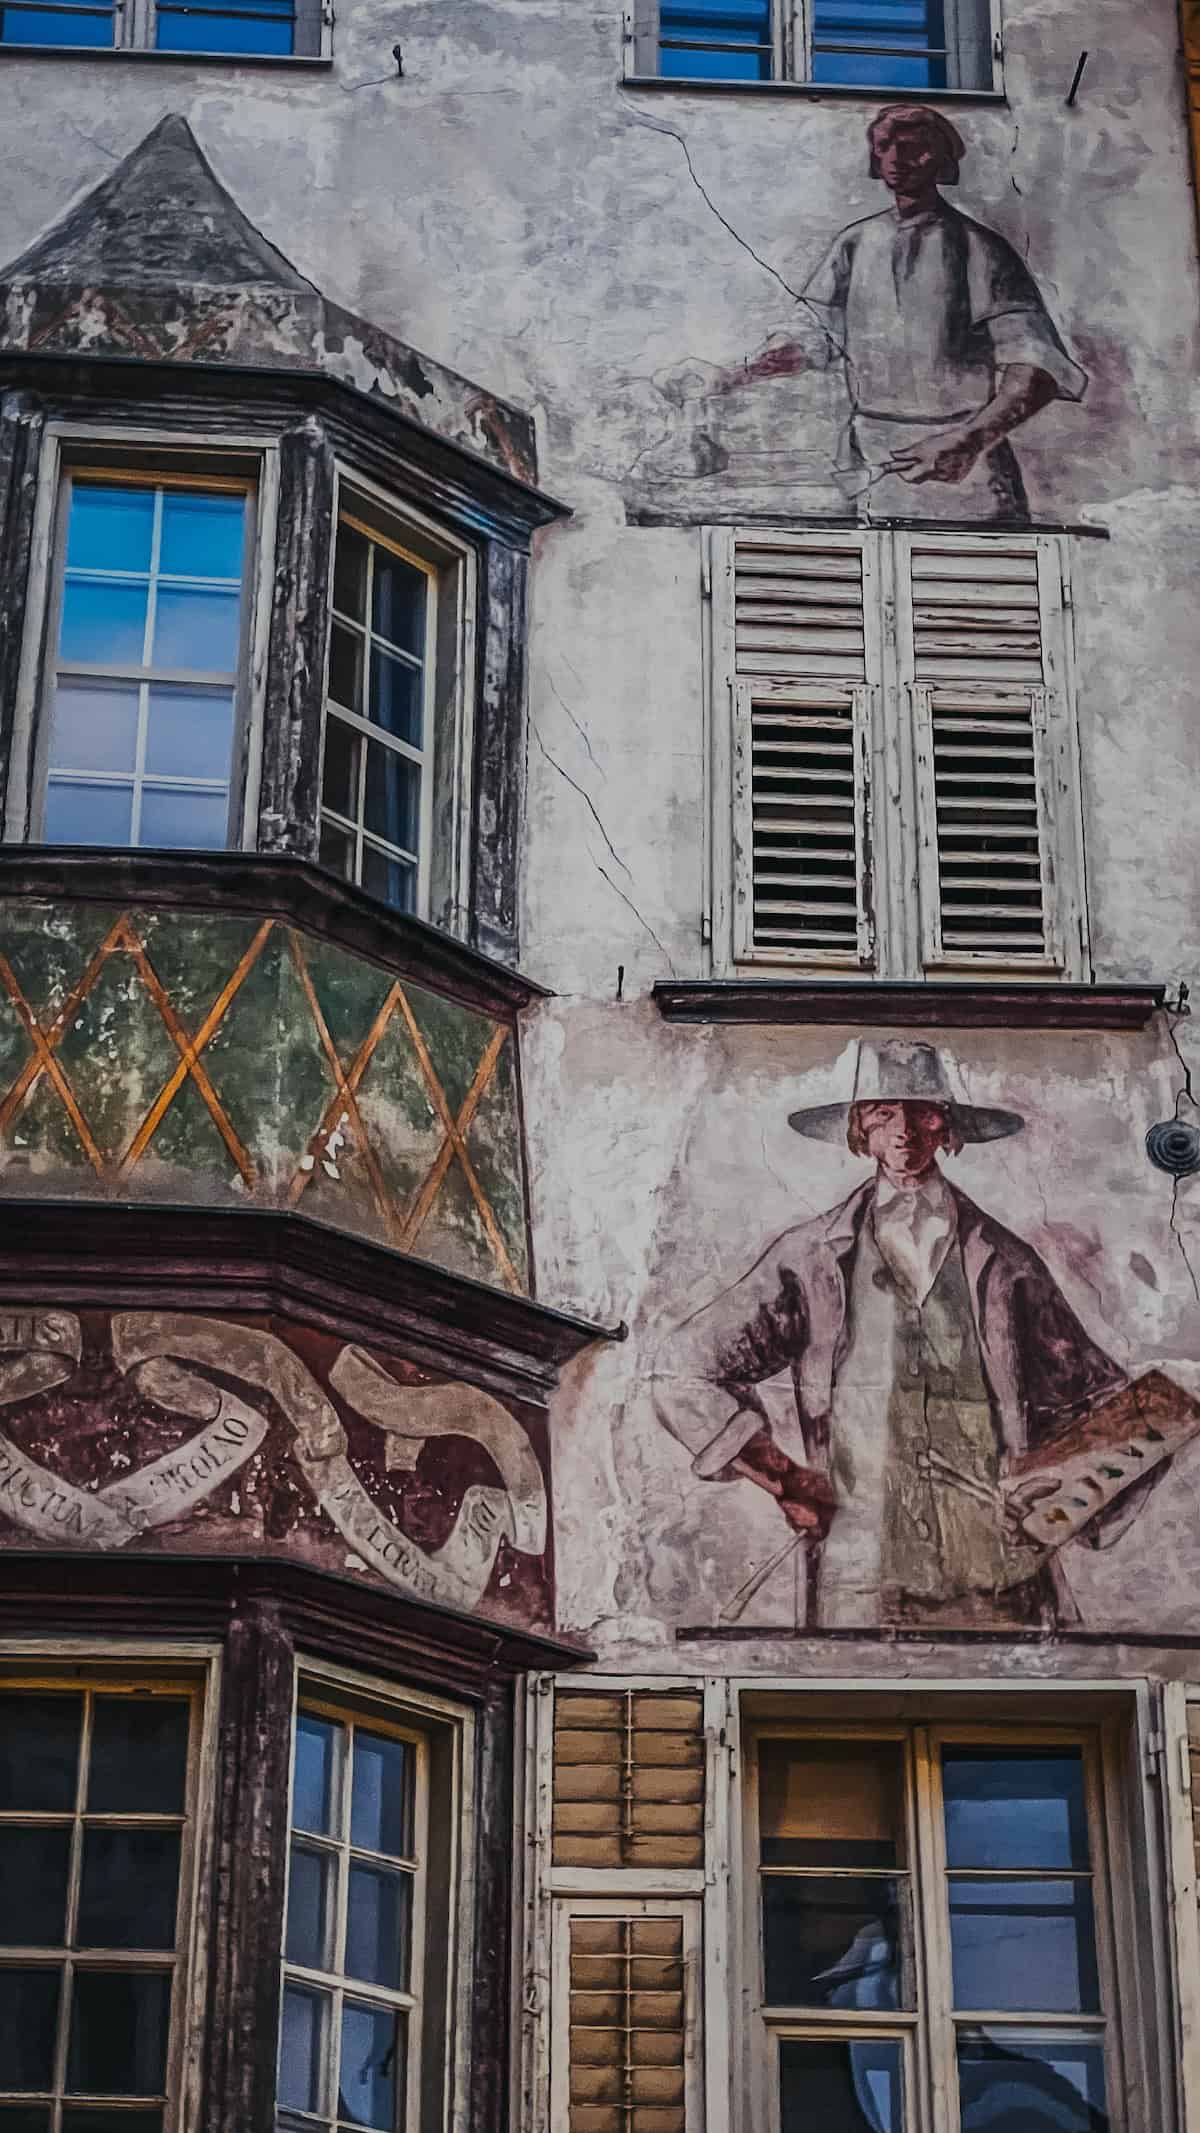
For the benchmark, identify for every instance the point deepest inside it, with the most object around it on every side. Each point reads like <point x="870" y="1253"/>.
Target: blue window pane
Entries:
<point x="393" y="798"/>
<point x="103" y="624"/>
<point x="202" y="536"/>
<point x="830" y="2086"/>
<point x="391" y="880"/>
<point x="28" y="2020"/>
<point x="685" y="31"/>
<point x="190" y="821"/>
<point x="400" y="598"/>
<point x="1025" y="1945"/>
<point x="20" y="25"/>
<point x="1017" y="2079"/>
<point x="319" y="1747"/>
<point x="900" y="27"/>
<point x="396" y="696"/>
<point x="849" y="70"/>
<point x="110" y="529"/>
<point x="302" y="2030"/>
<point x="1022" y="1809"/>
<point x="197" y="629"/>
<point x="309" y="1908"/>
<point x="371" y="2066"/>
<point x="87" y="814"/>
<point x="377" y="1912"/>
<point x="272" y="36"/>
<point x="837" y="1942"/>
<point x="381" y="1794"/>
<point x="94" y="726"/>
<point x="190" y="731"/>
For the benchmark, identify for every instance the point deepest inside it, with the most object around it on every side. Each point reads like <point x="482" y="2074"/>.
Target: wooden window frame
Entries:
<point x="792" y="41"/>
<point x="135" y="27"/>
<point x="142" y="458"/>
<point x="347" y="1696"/>
<point x="930" y="2028"/>
<point x="899" y="916"/>
<point x="446" y="758"/>
<point x="130" y="1667"/>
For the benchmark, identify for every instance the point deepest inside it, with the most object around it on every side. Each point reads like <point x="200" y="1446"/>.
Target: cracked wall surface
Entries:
<point x="586" y="249"/>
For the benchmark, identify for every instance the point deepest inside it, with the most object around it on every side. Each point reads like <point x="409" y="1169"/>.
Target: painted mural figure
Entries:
<point x="904" y="1375"/>
<point x="942" y="336"/>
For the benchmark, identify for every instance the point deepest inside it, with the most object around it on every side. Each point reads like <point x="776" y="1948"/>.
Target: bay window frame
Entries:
<point x="129" y="458"/>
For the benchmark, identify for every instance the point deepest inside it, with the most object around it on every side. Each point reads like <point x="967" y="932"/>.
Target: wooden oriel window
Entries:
<point x="931" y="1940"/>
<point x="98" y="1819"/>
<point x="355" y="1972"/>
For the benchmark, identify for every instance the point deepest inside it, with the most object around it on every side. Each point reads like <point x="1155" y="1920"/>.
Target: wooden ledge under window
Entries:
<point x="918" y="1004"/>
<point x="268" y="885"/>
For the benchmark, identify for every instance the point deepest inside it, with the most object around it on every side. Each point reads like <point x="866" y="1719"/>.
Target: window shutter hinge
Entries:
<point x="705" y="579"/>
<point x="706" y="929"/>
<point x="1154" y="1750"/>
<point x="1185" y="1763"/>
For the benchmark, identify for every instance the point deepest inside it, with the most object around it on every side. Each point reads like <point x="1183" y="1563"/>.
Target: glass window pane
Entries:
<point x="835" y="1943"/>
<point x="372" y="2067"/>
<point x="39" y="1751"/>
<point x="103" y="624"/>
<point x="830" y="2086"/>
<point x="337" y="851"/>
<point x="1024" y="1944"/>
<point x="377" y="1926"/>
<point x="397" y="691"/>
<point x="310" y="1909"/>
<point x="130" y="1888"/>
<point x="183" y="820"/>
<point x="392" y="802"/>
<point x="28" y="2020"/>
<point x="202" y="535"/>
<point x="197" y="629"/>
<point x="1024" y="1809"/>
<point x="744" y="23"/>
<point x="119" y="2023"/>
<point x="29" y="2117"/>
<point x="831" y="1803"/>
<point x="87" y="2118"/>
<point x="399" y="603"/>
<point x="87" y="814"/>
<point x="303" y="2031"/>
<point x="190" y="731"/>
<point x="94" y="725"/>
<point x="350" y="572"/>
<point x="1023" y="2081"/>
<point x="320" y="1746"/>
<point x="19" y="25"/>
<point x="224" y="33"/>
<point x="380" y="1805"/>
<point x="391" y="880"/>
<point x="346" y="667"/>
<point x="110" y="528"/>
<point x="339" y="777"/>
<point x="34" y="1865"/>
<point x="139" y="1755"/>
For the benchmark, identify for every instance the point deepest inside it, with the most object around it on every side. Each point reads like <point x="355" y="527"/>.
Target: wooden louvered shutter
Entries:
<point x="628" y="1778"/>
<point x="627" y="2031"/>
<point x="804" y="657"/>
<point x="983" y="648"/>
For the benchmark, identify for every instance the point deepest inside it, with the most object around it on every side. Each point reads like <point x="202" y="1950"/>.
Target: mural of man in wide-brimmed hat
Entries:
<point x="892" y="1370"/>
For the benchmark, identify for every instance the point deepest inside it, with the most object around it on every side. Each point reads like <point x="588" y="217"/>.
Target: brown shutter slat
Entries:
<point x="629" y="1778"/>
<point x="626" y="2041"/>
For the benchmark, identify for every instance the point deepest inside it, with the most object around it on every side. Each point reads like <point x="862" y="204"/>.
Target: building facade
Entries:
<point x="599" y="1160"/>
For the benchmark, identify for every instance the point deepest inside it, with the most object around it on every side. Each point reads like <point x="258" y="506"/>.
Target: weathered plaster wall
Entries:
<point x="510" y="208"/>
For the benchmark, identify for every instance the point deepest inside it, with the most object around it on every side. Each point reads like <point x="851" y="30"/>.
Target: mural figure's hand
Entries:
<point x="804" y="1496"/>
<point x="947" y="455"/>
<point x="1022" y="1497"/>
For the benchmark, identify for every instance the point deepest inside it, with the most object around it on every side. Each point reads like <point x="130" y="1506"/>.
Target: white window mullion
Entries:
<point x="797" y="39"/>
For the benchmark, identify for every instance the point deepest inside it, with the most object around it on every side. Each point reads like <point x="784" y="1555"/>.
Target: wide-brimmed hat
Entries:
<point x="898" y="1072"/>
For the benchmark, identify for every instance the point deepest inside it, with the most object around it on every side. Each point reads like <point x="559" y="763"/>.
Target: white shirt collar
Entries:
<point x="931" y="1196"/>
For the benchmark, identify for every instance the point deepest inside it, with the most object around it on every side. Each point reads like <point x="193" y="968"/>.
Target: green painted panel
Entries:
<point x="327" y="1084"/>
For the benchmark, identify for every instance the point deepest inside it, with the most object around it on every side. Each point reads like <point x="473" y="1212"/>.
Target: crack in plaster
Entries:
<point x="644" y="922"/>
<point x="585" y="797"/>
<point x="580" y="729"/>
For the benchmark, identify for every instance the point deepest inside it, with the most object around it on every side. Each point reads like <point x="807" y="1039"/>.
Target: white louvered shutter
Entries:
<point x="803" y="629"/>
<point x="983" y="648"/>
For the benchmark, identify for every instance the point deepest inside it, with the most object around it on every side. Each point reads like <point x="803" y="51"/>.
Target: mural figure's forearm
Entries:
<point x="1021" y="391"/>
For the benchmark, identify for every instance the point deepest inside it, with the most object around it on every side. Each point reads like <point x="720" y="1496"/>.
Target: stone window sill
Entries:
<point x="818" y="92"/>
<point x="294" y="62"/>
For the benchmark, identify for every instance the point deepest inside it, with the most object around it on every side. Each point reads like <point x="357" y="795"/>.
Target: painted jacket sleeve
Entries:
<point x="1008" y="308"/>
<point x="707" y="1372"/>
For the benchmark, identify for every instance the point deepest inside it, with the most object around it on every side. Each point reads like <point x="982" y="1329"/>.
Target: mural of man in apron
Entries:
<point x="888" y="1370"/>
<point x="941" y="334"/>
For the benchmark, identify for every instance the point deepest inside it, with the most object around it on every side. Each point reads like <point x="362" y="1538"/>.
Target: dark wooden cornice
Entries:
<point x="51" y="1594"/>
<point x="921" y="1004"/>
<point x="249" y="1262"/>
<point x="500" y="503"/>
<point x="269" y="885"/>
